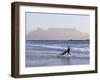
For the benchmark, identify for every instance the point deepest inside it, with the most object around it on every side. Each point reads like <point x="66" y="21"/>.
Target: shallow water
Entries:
<point x="45" y="52"/>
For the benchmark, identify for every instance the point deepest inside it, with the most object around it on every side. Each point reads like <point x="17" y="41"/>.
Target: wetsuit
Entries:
<point x="67" y="51"/>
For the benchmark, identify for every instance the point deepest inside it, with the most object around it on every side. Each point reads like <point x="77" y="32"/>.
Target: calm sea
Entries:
<point x="45" y="52"/>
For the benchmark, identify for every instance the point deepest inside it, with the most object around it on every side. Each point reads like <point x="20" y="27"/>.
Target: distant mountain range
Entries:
<point x="56" y="34"/>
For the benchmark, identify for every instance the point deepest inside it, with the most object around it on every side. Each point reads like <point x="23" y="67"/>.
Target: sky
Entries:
<point x="36" y="20"/>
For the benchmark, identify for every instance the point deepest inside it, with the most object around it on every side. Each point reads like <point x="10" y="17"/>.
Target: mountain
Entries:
<point x="56" y="34"/>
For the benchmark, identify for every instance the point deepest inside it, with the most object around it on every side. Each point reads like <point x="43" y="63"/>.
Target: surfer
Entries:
<point x="67" y="51"/>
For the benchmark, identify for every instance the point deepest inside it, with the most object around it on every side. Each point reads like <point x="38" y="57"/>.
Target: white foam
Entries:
<point x="58" y="47"/>
<point x="81" y="49"/>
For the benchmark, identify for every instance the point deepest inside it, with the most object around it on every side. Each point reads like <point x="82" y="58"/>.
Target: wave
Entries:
<point x="77" y="57"/>
<point x="47" y="54"/>
<point x="59" y="47"/>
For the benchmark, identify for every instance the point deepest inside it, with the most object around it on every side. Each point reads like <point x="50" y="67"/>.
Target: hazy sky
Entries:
<point x="47" y="20"/>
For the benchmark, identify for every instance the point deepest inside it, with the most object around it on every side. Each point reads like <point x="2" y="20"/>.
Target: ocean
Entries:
<point x="41" y="53"/>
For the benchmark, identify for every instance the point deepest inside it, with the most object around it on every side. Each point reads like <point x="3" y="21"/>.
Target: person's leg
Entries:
<point x="68" y="53"/>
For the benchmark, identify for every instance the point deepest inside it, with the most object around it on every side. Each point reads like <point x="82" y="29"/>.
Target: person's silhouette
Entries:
<point x="67" y="51"/>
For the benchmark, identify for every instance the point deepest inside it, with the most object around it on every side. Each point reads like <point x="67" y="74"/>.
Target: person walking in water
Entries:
<point x="67" y="51"/>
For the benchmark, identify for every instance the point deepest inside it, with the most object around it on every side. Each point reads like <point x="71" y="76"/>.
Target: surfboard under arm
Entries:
<point x="67" y="55"/>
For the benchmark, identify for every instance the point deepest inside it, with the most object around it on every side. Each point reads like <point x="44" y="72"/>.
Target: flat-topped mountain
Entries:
<point x="56" y="34"/>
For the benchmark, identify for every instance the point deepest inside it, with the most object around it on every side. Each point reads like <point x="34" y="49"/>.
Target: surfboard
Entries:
<point x="69" y="55"/>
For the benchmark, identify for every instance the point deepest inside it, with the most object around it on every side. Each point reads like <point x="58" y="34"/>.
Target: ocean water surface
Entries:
<point x="45" y="52"/>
